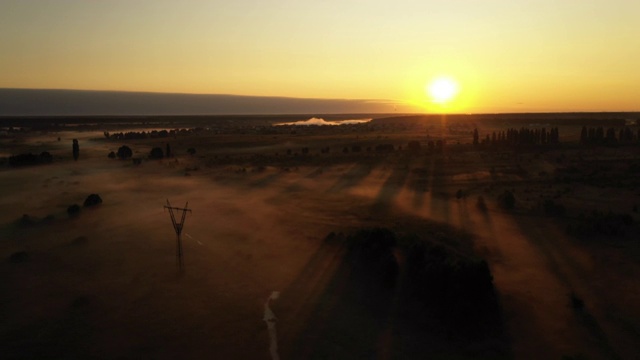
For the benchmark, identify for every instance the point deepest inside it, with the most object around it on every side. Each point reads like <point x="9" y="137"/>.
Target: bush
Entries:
<point x="124" y="152"/>
<point x="112" y="155"/>
<point x="456" y="289"/>
<point x="191" y="151"/>
<point x="156" y="153"/>
<point x="600" y="223"/>
<point x="507" y="200"/>
<point x="76" y="149"/>
<point x="92" y="200"/>
<point x="45" y="157"/>
<point x="73" y="210"/>
<point x="24" y="160"/>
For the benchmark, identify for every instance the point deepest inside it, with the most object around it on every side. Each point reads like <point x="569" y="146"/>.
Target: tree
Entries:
<point x="73" y="210"/>
<point x="124" y="152"/>
<point x="76" y="149"/>
<point x="156" y="153"/>
<point x="168" y="152"/>
<point x="507" y="200"/>
<point x="584" y="137"/>
<point x="112" y="155"/>
<point x="92" y="200"/>
<point x="191" y="151"/>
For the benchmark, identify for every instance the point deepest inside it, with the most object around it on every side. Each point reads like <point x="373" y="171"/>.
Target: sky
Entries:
<point x="504" y="55"/>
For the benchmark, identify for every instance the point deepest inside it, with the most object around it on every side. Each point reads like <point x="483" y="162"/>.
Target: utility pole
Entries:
<point x="178" y="225"/>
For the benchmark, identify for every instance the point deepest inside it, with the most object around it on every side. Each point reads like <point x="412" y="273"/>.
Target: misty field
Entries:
<point x="274" y="212"/>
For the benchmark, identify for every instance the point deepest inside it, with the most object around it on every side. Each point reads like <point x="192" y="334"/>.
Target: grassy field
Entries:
<point x="104" y="283"/>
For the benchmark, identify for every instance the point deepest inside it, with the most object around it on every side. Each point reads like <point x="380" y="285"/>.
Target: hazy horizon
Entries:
<point x="73" y="102"/>
<point x="43" y="102"/>
<point x="499" y="56"/>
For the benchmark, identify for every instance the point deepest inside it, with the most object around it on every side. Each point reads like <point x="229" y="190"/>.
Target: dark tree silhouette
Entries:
<point x="76" y="149"/>
<point x="124" y="152"/>
<point x="191" y="151"/>
<point x="168" y="152"/>
<point x="112" y="155"/>
<point x="92" y="200"/>
<point x="45" y="157"/>
<point x="507" y="200"/>
<point x="73" y="210"/>
<point x="156" y="153"/>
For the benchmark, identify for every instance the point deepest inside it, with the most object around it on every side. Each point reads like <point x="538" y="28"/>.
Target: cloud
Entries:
<point x="321" y="122"/>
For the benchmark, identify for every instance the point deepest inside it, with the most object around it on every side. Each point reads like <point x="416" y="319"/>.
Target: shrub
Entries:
<point x="156" y="153"/>
<point x="191" y="151"/>
<point x="45" y="157"/>
<point x="76" y="149"/>
<point x="112" y="155"/>
<point x="23" y="160"/>
<point x="507" y="200"/>
<point x="124" y="152"/>
<point x="73" y="210"/>
<point x="92" y="200"/>
<point x="600" y="223"/>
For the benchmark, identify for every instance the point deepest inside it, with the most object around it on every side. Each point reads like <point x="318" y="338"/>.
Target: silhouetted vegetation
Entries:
<point x="112" y="155"/>
<point x="124" y="152"/>
<point x="598" y="136"/>
<point x="600" y="223"/>
<point x="73" y="210"/>
<point x="370" y="251"/>
<point x="457" y="290"/>
<point x="92" y="200"/>
<point x="30" y="159"/>
<point x="75" y="149"/>
<point x="519" y="137"/>
<point x="156" y="153"/>
<point x="507" y="200"/>
<point x="438" y="282"/>
<point x="191" y="151"/>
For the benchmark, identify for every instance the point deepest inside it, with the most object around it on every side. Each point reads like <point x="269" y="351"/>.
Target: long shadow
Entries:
<point x="354" y="176"/>
<point x="566" y="270"/>
<point x="265" y="181"/>
<point x="420" y="180"/>
<point x="439" y="197"/>
<point x="348" y="313"/>
<point x="391" y="187"/>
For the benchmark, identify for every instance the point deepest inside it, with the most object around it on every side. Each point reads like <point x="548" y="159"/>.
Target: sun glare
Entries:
<point x="442" y="90"/>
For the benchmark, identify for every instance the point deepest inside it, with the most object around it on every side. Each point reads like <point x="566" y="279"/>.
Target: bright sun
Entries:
<point x="442" y="90"/>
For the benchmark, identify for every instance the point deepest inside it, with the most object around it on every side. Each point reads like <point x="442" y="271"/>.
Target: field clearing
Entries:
<point x="104" y="284"/>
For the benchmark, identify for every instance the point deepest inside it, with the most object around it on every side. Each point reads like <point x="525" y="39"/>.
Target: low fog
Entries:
<point x="263" y="277"/>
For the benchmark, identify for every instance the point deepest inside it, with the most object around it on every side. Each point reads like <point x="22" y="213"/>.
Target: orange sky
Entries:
<point x="506" y="55"/>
